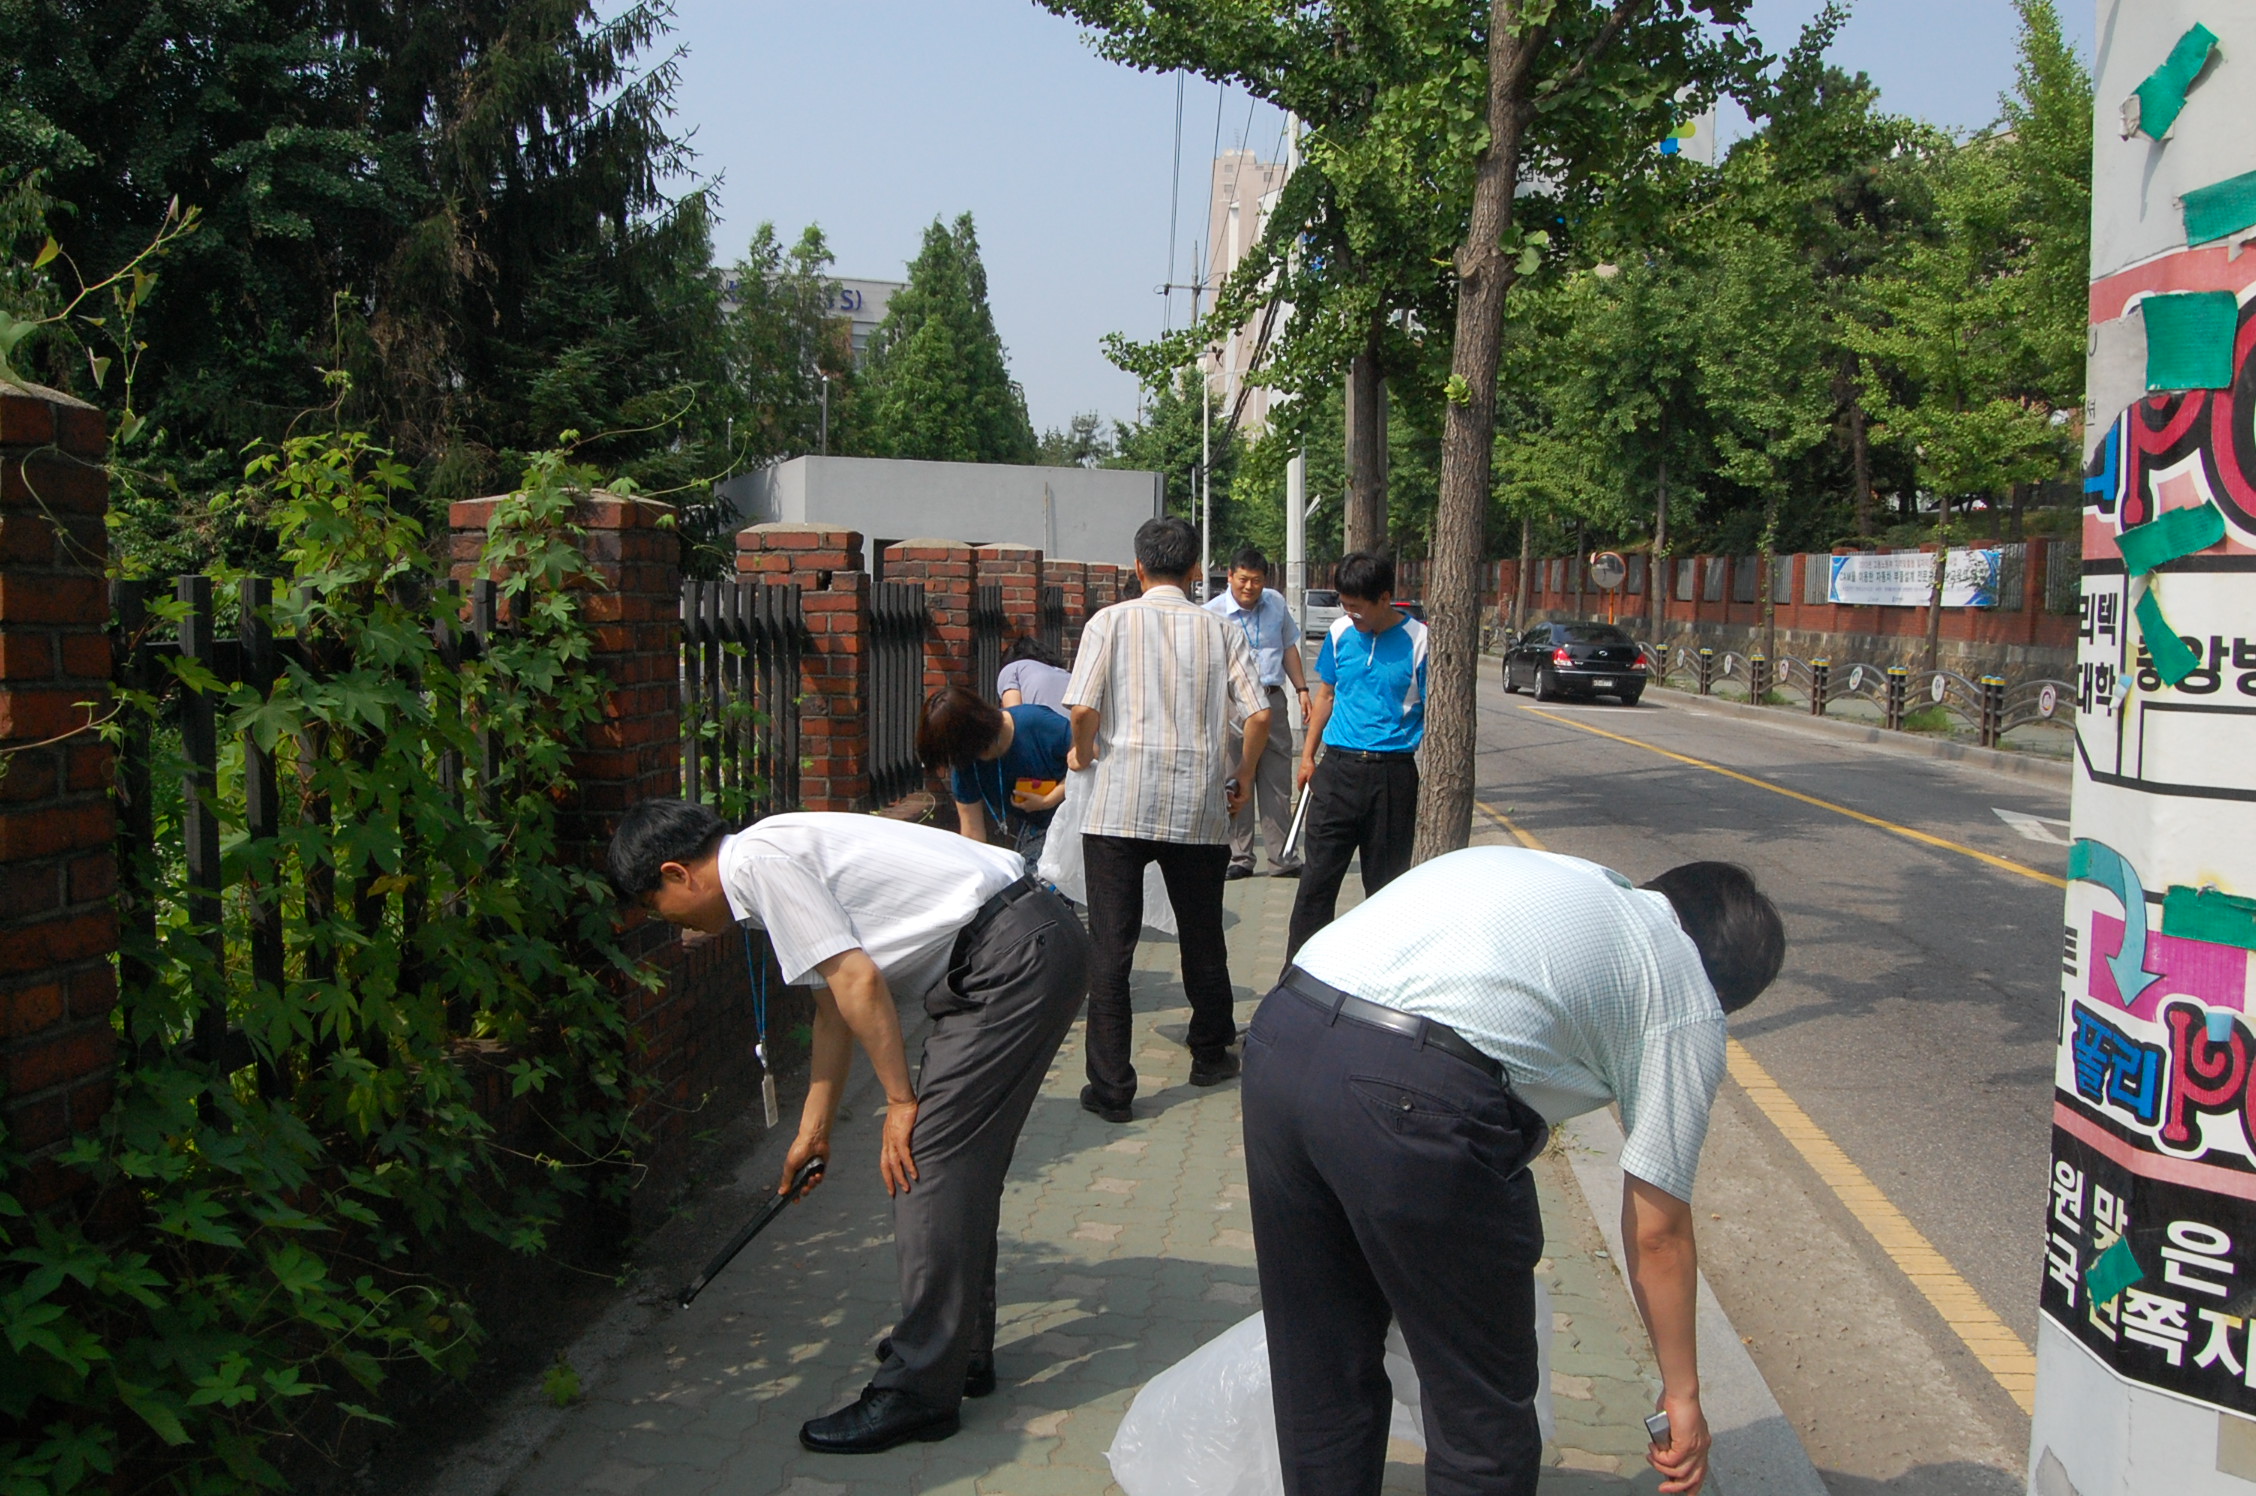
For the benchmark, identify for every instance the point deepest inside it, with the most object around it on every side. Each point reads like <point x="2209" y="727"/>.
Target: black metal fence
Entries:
<point x="741" y="651"/>
<point x="1050" y="622"/>
<point x="183" y="680"/>
<point x="898" y="623"/>
<point x="988" y="624"/>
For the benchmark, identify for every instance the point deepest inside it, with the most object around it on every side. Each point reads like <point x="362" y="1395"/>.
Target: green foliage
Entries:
<point x="1082" y="442"/>
<point x="461" y="207"/>
<point x="270" y="1269"/>
<point x="936" y="385"/>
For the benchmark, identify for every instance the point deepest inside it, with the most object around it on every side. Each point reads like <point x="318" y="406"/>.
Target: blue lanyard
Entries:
<point x="756" y="971"/>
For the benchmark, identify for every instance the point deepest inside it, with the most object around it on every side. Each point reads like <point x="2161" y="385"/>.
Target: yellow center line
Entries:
<point x="1993" y="1343"/>
<point x="1925" y="838"/>
<point x="1991" y="1340"/>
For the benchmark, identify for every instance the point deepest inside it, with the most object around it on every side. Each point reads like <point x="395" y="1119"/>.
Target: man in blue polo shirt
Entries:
<point x="1370" y="714"/>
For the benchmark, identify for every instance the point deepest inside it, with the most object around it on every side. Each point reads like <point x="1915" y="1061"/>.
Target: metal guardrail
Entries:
<point x="741" y="652"/>
<point x="1990" y="706"/>
<point x="988" y="624"/>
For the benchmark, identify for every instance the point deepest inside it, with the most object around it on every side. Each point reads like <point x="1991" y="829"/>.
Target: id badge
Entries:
<point x="768" y="1106"/>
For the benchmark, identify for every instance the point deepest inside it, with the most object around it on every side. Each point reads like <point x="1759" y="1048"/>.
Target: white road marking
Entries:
<point x="2050" y="830"/>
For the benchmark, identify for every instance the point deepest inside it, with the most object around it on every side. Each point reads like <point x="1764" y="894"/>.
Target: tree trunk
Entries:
<point x="1484" y="277"/>
<point x="1770" y="581"/>
<point x="1365" y="520"/>
<point x="2018" y="519"/>
<point x="1935" y="598"/>
<point x="1523" y="585"/>
<point x="1860" y="465"/>
<point x="1658" y="582"/>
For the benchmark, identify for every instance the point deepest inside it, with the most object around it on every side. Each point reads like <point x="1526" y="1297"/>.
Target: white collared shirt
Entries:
<point x="1170" y="683"/>
<point x="1269" y="629"/>
<point x="1585" y="988"/>
<point x="821" y="882"/>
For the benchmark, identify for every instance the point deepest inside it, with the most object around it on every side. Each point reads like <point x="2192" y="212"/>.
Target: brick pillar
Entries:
<point x="58" y="928"/>
<point x="944" y="568"/>
<point x="1103" y="585"/>
<point x="1017" y="569"/>
<point x="834" y="597"/>
<point x="1071" y="578"/>
<point x="634" y="601"/>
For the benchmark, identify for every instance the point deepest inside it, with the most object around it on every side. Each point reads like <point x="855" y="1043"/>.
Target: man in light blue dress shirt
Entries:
<point x="1274" y="635"/>
<point x="1398" y="1082"/>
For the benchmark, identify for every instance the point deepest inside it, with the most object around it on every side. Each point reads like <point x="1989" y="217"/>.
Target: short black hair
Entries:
<point x="1365" y="576"/>
<point x="1167" y="548"/>
<point x="1249" y="558"/>
<point x="1741" y="938"/>
<point x="653" y="833"/>
<point x="1027" y="647"/>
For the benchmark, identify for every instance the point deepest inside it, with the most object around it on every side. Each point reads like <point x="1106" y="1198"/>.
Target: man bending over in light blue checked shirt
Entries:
<point x="1397" y="1083"/>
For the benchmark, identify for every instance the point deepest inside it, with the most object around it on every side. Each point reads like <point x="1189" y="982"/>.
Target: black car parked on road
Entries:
<point x="1589" y="659"/>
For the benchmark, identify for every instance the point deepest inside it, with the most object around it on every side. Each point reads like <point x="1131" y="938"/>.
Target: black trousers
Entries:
<point x="1194" y="872"/>
<point x="1015" y="989"/>
<point x="1354" y="805"/>
<point x="1389" y="1178"/>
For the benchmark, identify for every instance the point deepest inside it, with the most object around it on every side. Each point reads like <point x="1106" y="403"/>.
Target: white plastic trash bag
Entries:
<point x="1061" y="865"/>
<point x="1205" y="1426"/>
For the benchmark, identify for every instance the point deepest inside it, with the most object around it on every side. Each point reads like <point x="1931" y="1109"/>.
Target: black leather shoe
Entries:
<point x="979" y="1375"/>
<point x="1089" y="1103"/>
<point x="1238" y="870"/>
<point x="881" y="1418"/>
<point x="1214" y="1069"/>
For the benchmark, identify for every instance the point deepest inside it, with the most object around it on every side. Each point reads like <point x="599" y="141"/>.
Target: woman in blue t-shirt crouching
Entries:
<point x="1007" y="764"/>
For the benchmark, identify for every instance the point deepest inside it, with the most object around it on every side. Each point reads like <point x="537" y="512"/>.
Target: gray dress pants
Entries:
<point x="1011" y="996"/>
<point x="1272" y="797"/>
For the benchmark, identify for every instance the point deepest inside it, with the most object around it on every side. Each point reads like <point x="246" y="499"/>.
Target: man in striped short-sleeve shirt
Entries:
<point x="872" y="908"/>
<point x="1159" y="687"/>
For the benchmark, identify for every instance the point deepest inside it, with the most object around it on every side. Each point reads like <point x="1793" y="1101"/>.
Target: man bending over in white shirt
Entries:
<point x="1398" y="1082"/>
<point x="874" y="909"/>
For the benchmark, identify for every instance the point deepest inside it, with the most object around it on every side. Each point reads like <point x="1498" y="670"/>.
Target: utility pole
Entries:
<point x="2144" y="1378"/>
<point x="1296" y="466"/>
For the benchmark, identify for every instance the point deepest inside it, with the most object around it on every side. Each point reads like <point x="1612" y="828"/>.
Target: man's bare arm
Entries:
<point x="971" y="820"/>
<point x="1083" y="753"/>
<point x="1312" y="734"/>
<point x="1664" y="1277"/>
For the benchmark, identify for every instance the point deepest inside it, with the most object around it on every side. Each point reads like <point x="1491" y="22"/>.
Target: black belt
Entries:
<point x="988" y="912"/>
<point x="1427" y="1032"/>
<point x="1365" y="756"/>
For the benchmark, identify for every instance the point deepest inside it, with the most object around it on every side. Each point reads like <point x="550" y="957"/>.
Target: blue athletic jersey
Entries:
<point x="1378" y="686"/>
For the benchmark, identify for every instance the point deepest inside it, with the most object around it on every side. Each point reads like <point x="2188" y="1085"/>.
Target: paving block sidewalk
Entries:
<point x="1124" y="1248"/>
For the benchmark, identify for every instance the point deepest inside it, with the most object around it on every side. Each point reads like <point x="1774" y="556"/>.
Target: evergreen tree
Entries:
<point x="936" y="384"/>
<point x="457" y="205"/>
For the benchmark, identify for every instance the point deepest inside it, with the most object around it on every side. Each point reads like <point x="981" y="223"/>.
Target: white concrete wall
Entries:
<point x="1071" y="514"/>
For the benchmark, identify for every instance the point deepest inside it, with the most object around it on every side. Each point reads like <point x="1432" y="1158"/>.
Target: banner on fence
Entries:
<point x="1907" y="580"/>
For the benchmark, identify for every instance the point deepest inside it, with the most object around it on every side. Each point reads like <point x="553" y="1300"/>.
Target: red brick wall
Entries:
<point x="834" y="598"/>
<point x="58" y="928"/>
<point x="1017" y="569"/>
<point x="1103" y="586"/>
<point x="1071" y="578"/>
<point x="944" y="568"/>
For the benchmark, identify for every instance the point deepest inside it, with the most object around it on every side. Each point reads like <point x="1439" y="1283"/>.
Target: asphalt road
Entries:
<point x="1914" y="1023"/>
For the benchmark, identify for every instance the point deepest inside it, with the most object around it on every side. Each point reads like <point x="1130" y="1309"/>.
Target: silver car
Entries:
<point x="1319" y="610"/>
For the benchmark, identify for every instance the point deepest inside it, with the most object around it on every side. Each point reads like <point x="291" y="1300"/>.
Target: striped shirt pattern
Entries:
<point x="1170" y="683"/>
<point x="1584" y="987"/>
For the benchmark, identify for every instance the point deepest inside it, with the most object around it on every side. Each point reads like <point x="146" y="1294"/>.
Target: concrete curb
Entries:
<point x="1756" y="1451"/>
<point x="1900" y="744"/>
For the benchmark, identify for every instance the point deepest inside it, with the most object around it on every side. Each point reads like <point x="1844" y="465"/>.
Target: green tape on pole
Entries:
<point x="2169" y="535"/>
<point x="2207" y="914"/>
<point x="2189" y="339"/>
<point x="2173" y="661"/>
<point x="2221" y="208"/>
<point x="2163" y="93"/>
<point x="2113" y="1271"/>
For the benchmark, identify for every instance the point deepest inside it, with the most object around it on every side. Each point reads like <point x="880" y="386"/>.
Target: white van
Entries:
<point x="1319" y="610"/>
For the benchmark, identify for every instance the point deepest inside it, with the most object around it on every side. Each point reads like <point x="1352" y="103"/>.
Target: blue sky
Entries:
<point x="871" y="117"/>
